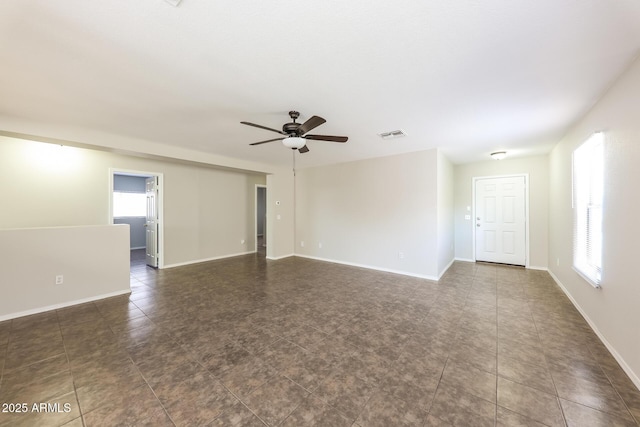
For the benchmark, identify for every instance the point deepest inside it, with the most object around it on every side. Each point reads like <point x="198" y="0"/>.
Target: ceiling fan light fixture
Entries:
<point x="294" y="142"/>
<point x="499" y="155"/>
<point x="296" y="134"/>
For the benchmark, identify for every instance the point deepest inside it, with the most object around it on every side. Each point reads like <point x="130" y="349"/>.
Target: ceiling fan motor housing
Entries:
<point x="291" y="128"/>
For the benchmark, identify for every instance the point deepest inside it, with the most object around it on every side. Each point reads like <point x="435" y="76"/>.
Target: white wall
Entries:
<point x="445" y="205"/>
<point x="207" y="212"/>
<point x="367" y="212"/>
<point x="538" y="169"/>
<point x="137" y="230"/>
<point x="613" y="310"/>
<point x="280" y="214"/>
<point x="93" y="260"/>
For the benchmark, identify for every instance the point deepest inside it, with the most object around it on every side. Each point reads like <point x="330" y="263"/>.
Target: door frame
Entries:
<point x="526" y="211"/>
<point x="159" y="202"/>
<point x="255" y="216"/>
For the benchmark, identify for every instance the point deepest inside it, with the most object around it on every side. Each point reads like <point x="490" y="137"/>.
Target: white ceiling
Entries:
<point x="467" y="76"/>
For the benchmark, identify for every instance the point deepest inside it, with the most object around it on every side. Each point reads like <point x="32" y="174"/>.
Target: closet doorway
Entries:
<point x="261" y="220"/>
<point x="136" y="200"/>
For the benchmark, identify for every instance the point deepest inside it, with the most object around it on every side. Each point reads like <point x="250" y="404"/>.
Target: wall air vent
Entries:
<point x="392" y="134"/>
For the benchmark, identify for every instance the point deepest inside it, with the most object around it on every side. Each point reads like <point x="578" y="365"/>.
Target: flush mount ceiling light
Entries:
<point x="499" y="155"/>
<point x="294" y="142"/>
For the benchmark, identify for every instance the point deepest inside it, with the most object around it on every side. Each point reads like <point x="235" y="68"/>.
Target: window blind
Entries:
<point x="588" y="177"/>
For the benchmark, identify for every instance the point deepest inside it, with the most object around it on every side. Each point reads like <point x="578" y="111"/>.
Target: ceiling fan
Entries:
<point x="295" y="134"/>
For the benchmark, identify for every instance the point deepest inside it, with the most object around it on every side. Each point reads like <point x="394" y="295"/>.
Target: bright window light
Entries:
<point x="129" y="204"/>
<point x="588" y="177"/>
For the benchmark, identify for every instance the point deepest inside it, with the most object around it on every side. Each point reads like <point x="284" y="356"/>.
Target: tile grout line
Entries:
<point x="73" y="380"/>
<point x="535" y="324"/>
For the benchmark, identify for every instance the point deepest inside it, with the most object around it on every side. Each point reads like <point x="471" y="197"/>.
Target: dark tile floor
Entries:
<point x="295" y="342"/>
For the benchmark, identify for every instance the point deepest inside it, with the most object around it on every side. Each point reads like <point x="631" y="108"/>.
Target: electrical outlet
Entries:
<point x="557" y="261"/>
<point x="59" y="279"/>
<point x="401" y="255"/>
<point x="302" y="244"/>
<point x="242" y="242"/>
<point x="319" y="245"/>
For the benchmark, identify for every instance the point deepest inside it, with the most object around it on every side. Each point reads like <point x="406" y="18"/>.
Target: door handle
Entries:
<point x="477" y="225"/>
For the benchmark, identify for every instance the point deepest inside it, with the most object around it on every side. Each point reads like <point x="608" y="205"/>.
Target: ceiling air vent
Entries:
<point x="173" y="2"/>
<point x="392" y="134"/>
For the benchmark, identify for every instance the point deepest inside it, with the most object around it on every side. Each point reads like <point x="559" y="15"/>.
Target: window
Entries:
<point x="129" y="204"/>
<point x="588" y="176"/>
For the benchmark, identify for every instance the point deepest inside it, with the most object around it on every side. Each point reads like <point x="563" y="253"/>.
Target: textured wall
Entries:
<point x="613" y="309"/>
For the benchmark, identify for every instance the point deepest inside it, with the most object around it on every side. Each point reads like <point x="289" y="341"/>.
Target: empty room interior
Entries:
<point x="319" y="214"/>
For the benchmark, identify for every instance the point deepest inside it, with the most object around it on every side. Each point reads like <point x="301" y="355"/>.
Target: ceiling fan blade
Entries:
<point x="264" y="127"/>
<point x="327" y="138"/>
<point x="303" y="149"/>
<point x="268" y="140"/>
<point x="312" y="123"/>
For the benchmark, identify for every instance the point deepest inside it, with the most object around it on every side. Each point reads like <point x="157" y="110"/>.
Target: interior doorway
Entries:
<point x="261" y="220"/>
<point x="500" y="219"/>
<point x="136" y="200"/>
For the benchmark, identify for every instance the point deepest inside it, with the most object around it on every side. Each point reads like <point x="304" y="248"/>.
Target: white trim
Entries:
<point x="138" y="247"/>
<point x="446" y="268"/>
<point x="526" y="212"/>
<point x="370" y="267"/>
<point x="62" y="305"/>
<point x="160" y="203"/>
<point x="275" y="258"/>
<point x="198" y="261"/>
<point x="632" y="375"/>
<point x="464" y="259"/>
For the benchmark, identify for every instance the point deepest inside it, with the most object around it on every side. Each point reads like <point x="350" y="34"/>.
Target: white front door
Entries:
<point x="500" y="220"/>
<point x="151" y="224"/>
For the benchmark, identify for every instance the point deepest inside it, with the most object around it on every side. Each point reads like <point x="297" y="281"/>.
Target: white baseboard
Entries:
<point x="197" y="261"/>
<point x="370" y="267"/>
<point x="138" y="247"/>
<point x="612" y="350"/>
<point x="446" y="268"/>
<point x="464" y="259"/>
<point x="62" y="305"/>
<point x="275" y="258"/>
